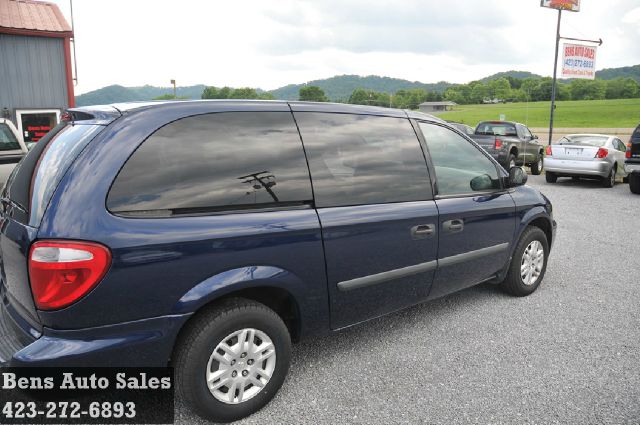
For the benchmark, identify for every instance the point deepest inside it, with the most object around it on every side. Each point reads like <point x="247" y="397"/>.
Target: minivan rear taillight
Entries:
<point x="547" y="150"/>
<point x="627" y="154"/>
<point x="62" y="272"/>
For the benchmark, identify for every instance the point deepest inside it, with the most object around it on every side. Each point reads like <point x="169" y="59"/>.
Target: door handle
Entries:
<point x="422" y="231"/>
<point x="453" y="226"/>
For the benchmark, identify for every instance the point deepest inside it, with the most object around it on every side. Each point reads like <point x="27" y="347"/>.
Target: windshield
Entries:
<point x="596" y="141"/>
<point x="497" y="128"/>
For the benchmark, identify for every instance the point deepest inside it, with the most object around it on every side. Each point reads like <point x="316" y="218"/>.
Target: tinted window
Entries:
<point x="7" y="139"/>
<point x="216" y="161"/>
<point x="497" y="128"/>
<point x="460" y="166"/>
<point x="360" y="159"/>
<point x="636" y="134"/>
<point x="587" y="140"/>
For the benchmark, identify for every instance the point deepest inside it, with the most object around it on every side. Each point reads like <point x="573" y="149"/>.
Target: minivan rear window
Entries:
<point x="223" y="161"/>
<point x="35" y="178"/>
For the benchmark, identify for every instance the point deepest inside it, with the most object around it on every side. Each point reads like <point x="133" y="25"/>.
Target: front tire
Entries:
<point x="551" y="177"/>
<point x="634" y="183"/>
<point x="232" y="360"/>
<point x="528" y="264"/>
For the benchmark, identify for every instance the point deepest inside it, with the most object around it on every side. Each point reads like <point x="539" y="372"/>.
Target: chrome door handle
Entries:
<point x="422" y="231"/>
<point x="453" y="226"/>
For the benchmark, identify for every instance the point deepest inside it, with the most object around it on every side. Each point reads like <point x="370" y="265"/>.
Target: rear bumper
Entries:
<point x="499" y="155"/>
<point x="632" y="167"/>
<point x="143" y="343"/>
<point x="577" y="168"/>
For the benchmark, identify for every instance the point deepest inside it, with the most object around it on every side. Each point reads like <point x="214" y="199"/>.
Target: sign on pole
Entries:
<point x="578" y="61"/>
<point x="570" y="5"/>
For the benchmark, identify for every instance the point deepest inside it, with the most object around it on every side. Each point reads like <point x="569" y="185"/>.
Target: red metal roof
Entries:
<point x="32" y="17"/>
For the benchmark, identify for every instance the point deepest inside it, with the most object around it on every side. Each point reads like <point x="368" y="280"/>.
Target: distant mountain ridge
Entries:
<point x="340" y="87"/>
<point x="337" y="88"/>
<point x="117" y="93"/>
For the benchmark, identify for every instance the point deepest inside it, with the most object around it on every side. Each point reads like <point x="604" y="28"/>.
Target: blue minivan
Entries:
<point x="209" y="235"/>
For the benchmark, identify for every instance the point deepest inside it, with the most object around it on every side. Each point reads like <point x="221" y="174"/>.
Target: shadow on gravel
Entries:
<point x="391" y="326"/>
<point x="581" y="183"/>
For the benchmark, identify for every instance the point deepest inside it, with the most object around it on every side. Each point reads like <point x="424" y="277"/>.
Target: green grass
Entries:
<point x="615" y="113"/>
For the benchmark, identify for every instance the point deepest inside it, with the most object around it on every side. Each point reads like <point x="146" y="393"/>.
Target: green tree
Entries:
<point x="622" y="88"/>
<point x="588" y="89"/>
<point x="266" y="96"/>
<point x="312" y="94"/>
<point x="225" y="92"/>
<point x="455" y="94"/>
<point x="499" y="88"/>
<point x="215" y="93"/>
<point x="478" y="93"/>
<point x="170" y="97"/>
<point x="244" y="93"/>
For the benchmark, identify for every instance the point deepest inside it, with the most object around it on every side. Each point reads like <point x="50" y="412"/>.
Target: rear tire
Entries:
<point x="610" y="180"/>
<point x="634" y="183"/>
<point x="201" y="379"/>
<point x="536" y="167"/>
<point x="550" y="177"/>
<point x="511" y="162"/>
<point x="528" y="264"/>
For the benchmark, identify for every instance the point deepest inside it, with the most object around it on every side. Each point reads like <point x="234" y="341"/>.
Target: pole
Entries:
<point x="553" y="85"/>
<point x="73" y="30"/>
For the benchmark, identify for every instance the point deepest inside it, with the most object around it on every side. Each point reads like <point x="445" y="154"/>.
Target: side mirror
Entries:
<point x="481" y="183"/>
<point x="517" y="177"/>
<point x="535" y="137"/>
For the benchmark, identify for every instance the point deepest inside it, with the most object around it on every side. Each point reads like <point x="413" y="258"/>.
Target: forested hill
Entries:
<point x="338" y="88"/>
<point x="624" y="72"/>
<point x="116" y="94"/>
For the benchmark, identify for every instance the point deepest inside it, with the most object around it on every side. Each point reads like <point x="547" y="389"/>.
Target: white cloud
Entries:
<point x="269" y="43"/>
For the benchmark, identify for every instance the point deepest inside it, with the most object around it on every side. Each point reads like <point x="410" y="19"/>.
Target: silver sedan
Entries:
<point x="586" y="155"/>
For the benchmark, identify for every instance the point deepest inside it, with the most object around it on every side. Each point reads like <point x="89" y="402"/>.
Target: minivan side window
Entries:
<point x="460" y="167"/>
<point x="220" y="161"/>
<point x="363" y="159"/>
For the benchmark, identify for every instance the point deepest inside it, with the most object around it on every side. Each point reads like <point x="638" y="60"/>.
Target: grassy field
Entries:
<point x="617" y="113"/>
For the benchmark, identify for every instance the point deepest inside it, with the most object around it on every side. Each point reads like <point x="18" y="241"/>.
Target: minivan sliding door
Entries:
<point x="378" y="218"/>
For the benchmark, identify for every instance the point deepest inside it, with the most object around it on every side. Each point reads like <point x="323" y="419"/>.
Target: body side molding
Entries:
<point x="472" y="255"/>
<point x="374" y="279"/>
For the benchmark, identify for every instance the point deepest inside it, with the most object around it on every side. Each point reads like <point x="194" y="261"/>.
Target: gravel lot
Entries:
<point x="570" y="353"/>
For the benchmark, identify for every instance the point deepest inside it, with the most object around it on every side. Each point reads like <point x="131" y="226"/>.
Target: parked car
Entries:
<point x="209" y="235"/>
<point x="462" y="127"/>
<point x="632" y="161"/>
<point x="12" y="148"/>
<point x="586" y="155"/>
<point x="510" y="143"/>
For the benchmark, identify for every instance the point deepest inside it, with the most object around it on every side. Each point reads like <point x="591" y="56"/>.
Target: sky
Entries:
<point x="269" y="43"/>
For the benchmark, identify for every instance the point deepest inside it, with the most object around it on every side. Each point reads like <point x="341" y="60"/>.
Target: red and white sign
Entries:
<point x="570" y="5"/>
<point x="578" y="61"/>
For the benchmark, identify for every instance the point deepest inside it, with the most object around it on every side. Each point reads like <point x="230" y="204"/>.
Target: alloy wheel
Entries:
<point x="532" y="263"/>
<point x="241" y="366"/>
